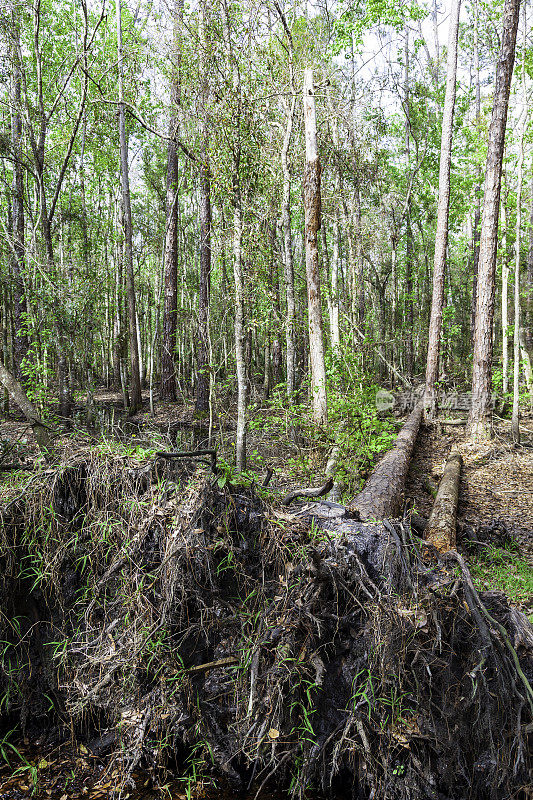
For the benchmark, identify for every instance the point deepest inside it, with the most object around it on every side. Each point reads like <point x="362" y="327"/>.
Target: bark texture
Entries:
<point x="382" y="497"/>
<point x="480" y="419"/>
<point x="441" y="528"/>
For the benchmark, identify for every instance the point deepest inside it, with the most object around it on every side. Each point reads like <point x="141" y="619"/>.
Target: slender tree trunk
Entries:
<point x="528" y="325"/>
<point x="408" y="289"/>
<point x="288" y="260"/>
<point x="505" y="299"/>
<point x="136" y="398"/>
<point x="480" y="419"/>
<point x="202" y="385"/>
<point x="20" y="339"/>
<point x="359" y="289"/>
<point x="311" y="190"/>
<point x="239" y="332"/>
<point x="477" y="190"/>
<point x="515" y="421"/>
<point x="334" y="309"/>
<point x="170" y="302"/>
<point x="441" y="236"/>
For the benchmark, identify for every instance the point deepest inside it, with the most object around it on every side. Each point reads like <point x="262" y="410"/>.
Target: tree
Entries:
<point x="515" y="422"/>
<point x="202" y="385"/>
<point x="441" y="235"/>
<point x="20" y="339"/>
<point x="170" y="293"/>
<point x="480" y="418"/>
<point x="136" y="397"/>
<point x="311" y="191"/>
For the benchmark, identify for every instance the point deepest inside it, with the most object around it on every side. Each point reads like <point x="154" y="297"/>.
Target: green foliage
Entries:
<point x="504" y="570"/>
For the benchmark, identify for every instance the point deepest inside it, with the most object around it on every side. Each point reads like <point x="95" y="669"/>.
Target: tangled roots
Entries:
<point x="174" y="621"/>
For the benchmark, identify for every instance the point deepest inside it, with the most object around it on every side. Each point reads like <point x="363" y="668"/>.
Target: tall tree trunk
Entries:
<point x="288" y="260"/>
<point x="136" y="398"/>
<point x="515" y="422"/>
<point x="477" y="190"/>
<point x="441" y="236"/>
<point x="202" y="385"/>
<point x="311" y="191"/>
<point x="408" y="289"/>
<point x="480" y="418"/>
<point x="170" y="294"/>
<point x="239" y="331"/>
<point x="20" y="339"/>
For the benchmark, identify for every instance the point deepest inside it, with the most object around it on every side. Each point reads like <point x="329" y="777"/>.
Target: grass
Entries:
<point x="502" y="569"/>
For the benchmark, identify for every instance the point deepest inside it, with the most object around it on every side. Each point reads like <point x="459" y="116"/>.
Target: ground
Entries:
<point x="496" y="497"/>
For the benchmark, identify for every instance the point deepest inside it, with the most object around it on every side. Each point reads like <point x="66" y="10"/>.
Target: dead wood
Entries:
<point x="441" y="528"/>
<point x="382" y="496"/>
<point x="19" y="397"/>
<point x="310" y="493"/>
<point x="193" y="454"/>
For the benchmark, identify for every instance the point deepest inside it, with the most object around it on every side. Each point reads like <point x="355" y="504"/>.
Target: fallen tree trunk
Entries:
<point x="441" y="528"/>
<point x="382" y="495"/>
<point x="19" y="397"/>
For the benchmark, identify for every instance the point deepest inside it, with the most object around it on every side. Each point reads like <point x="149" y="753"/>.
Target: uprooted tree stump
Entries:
<point x="169" y="619"/>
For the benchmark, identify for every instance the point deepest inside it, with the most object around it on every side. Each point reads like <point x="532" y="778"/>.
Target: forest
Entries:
<point x="266" y="413"/>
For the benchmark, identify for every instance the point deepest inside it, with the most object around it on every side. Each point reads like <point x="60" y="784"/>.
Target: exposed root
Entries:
<point x="174" y="619"/>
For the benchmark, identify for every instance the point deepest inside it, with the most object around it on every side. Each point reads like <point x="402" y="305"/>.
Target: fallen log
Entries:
<point x="19" y="397"/>
<point x="382" y="495"/>
<point x="441" y="528"/>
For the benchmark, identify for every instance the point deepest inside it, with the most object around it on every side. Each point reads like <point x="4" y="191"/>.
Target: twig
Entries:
<point x="309" y="493"/>
<point x="192" y="454"/>
<point x="220" y="662"/>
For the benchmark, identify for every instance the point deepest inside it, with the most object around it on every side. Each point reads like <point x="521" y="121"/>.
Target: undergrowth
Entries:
<point x="503" y="569"/>
<point x="355" y="426"/>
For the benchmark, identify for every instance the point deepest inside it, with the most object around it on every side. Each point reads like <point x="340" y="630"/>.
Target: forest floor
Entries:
<point x="495" y="527"/>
